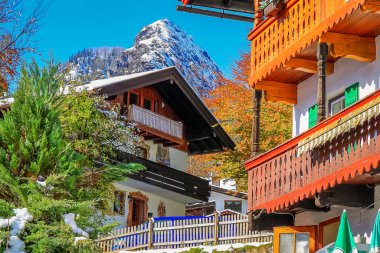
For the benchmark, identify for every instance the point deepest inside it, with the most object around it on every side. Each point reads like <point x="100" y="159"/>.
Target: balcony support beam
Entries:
<point x="308" y="66"/>
<point x="321" y="92"/>
<point x="257" y="94"/>
<point x="350" y="46"/>
<point x="278" y="92"/>
<point x="160" y="134"/>
<point x="371" y="6"/>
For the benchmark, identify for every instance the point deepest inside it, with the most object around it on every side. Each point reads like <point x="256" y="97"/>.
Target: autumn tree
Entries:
<point x="231" y="103"/>
<point x="18" y="26"/>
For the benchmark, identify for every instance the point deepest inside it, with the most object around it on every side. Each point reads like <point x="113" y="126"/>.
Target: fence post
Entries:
<point x="216" y="228"/>
<point x="150" y="234"/>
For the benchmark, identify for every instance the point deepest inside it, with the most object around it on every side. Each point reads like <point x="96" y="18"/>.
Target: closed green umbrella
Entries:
<point x="344" y="240"/>
<point x="374" y="247"/>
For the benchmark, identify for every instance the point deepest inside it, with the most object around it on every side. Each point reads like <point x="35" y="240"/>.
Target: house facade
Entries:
<point x="173" y="123"/>
<point x="323" y="58"/>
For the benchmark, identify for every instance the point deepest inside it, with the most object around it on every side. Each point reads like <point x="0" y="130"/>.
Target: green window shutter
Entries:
<point x="313" y="112"/>
<point x="351" y="94"/>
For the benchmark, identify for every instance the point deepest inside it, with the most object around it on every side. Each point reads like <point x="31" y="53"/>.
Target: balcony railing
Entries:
<point x="155" y="121"/>
<point x="339" y="149"/>
<point x="277" y="39"/>
<point x="168" y="178"/>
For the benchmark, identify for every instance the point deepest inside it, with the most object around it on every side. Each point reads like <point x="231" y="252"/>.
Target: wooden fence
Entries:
<point x="212" y="230"/>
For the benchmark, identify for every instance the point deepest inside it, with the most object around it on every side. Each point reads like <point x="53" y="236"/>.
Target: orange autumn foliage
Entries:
<point x="231" y="103"/>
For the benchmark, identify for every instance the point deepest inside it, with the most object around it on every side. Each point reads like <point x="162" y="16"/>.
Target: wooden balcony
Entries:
<point x="284" y="47"/>
<point x="156" y="127"/>
<point x="168" y="178"/>
<point x="344" y="149"/>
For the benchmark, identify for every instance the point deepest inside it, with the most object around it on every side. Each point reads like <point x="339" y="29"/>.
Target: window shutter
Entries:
<point x="351" y="94"/>
<point x="313" y="112"/>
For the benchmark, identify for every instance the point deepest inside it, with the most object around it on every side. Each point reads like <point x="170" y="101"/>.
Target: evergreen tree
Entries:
<point x="39" y="169"/>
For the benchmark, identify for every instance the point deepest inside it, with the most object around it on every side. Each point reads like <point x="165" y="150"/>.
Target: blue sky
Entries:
<point x="71" y="25"/>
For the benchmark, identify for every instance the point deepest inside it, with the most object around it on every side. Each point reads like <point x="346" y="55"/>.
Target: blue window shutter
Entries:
<point x="351" y="94"/>
<point x="313" y="112"/>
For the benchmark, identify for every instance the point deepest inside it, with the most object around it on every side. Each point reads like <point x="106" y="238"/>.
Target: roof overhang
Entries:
<point x="241" y="10"/>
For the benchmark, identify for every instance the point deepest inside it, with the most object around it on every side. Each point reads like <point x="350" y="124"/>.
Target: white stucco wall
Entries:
<point x="173" y="207"/>
<point x="178" y="158"/>
<point x="361" y="221"/>
<point x="219" y="199"/>
<point x="346" y="73"/>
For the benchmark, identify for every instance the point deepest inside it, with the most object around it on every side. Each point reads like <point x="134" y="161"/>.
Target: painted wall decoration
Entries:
<point x="119" y="202"/>
<point x="161" y="210"/>
<point x="163" y="155"/>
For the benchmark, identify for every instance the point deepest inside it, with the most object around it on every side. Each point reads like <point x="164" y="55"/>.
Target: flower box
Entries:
<point x="272" y="8"/>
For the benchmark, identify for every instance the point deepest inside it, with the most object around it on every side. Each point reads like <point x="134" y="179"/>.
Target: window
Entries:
<point x="133" y="99"/>
<point x="234" y="205"/>
<point x="148" y="104"/>
<point x="344" y="100"/>
<point x="294" y="239"/>
<point x="337" y="104"/>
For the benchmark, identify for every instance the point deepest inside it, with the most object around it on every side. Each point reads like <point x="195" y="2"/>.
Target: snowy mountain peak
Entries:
<point x="158" y="45"/>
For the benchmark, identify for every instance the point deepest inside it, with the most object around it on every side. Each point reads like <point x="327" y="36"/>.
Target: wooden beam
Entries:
<point x="171" y="144"/>
<point x="308" y="66"/>
<point x="371" y="6"/>
<point x="350" y="46"/>
<point x="160" y="134"/>
<point x="278" y="92"/>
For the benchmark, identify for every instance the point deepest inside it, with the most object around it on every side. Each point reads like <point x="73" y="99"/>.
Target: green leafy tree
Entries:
<point x="40" y="169"/>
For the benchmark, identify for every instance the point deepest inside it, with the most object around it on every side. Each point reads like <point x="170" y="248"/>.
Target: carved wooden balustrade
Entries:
<point x="341" y="149"/>
<point x="155" y="121"/>
<point x="275" y="40"/>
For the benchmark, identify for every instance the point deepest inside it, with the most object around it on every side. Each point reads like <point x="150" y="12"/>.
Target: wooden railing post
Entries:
<point x="150" y="233"/>
<point x="216" y="228"/>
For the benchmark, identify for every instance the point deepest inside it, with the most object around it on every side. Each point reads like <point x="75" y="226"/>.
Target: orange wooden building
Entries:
<point x="322" y="57"/>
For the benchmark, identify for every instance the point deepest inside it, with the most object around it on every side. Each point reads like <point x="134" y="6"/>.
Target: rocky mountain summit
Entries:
<point x="158" y="45"/>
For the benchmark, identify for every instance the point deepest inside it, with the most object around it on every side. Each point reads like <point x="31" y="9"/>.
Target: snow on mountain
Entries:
<point x="158" y="45"/>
